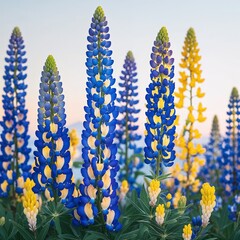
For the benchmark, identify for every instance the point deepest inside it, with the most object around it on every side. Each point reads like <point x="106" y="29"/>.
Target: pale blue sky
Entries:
<point x="60" y="28"/>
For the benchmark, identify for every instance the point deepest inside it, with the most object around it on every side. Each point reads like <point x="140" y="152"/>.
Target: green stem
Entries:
<point x="188" y="141"/>
<point x="234" y="148"/>
<point x="54" y="190"/>
<point x="127" y="136"/>
<point x="99" y="150"/>
<point x="15" y="159"/>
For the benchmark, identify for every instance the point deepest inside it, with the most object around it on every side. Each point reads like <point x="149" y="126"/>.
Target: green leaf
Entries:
<point x="25" y="233"/>
<point x="77" y="164"/>
<point x="92" y="235"/>
<point x="237" y="235"/>
<point x="66" y="237"/>
<point x="12" y="234"/>
<point x="43" y="232"/>
<point x="57" y="225"/>
<point x="129" y="235"/>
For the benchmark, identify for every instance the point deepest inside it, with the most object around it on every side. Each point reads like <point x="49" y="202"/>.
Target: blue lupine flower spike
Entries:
<point x="231" y="147"/>
<point x="14" y="168"/>
<point x="210" y="172"/>
<point x="127" y="137"/>
<point x="52" y="174"/>
<point x="98" y="190"/>
<point x="159" y="133"/>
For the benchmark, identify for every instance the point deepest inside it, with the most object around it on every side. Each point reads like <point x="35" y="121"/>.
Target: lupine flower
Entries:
<point x="197" y="223"/>
<point x="181" y="204"/>
<point x="169" y="198"/>
<point x="190" y="80"/>
<point x="187" y="232"/>
<point x="210" y="172"/>
<point x="231" y="147"/>
<point x="207" y="203"/>
<point x="160" y="112"/>
<point x="126" y="134"/>
<point x="30" y="204"/>
<point x="14" y="168"/>
<point x="99" y="152"/>
<point x="153" y="191"/>
<point x="160" y="214"/>
<point x="234" y="209"/>
<point x="52" y="174"/>
<point x="74" y="142"/>
<point x="2" y="221"/>
<point x="123" y="189"/>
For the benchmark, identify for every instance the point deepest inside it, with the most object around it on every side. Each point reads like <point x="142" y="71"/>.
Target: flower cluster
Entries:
<point x="123" y="189"/>
<point x="126" y="134"/>
<point x="153" y="191"/>
<point x="51" y="173"/>
<point x="211" y="170"/>
<point x="99" y="187"/>
<point x="160" y="214"/>
<point x="207" y="203"/>
<point x="14" y="168"/>
<point x="187" y="232"/>
<point x="231" y="147"/>
<point x="234" y="209"/>
<point x="30" y="204"/>
<point x="160" y="131"/>
<point x="197" y="224"/>
<point x="190" y="78"/>
<point x="74" y="141"/>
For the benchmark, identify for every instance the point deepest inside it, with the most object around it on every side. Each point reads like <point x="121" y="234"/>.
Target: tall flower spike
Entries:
<point x="126" y="134"/>
<point x="74" y="142"/>
<point x="30" y="204"/>
<point x="153" y="191"/>
<point x="160" y="214"/>
<point x="211" y="170"/>
<point x="98" y="190"/>
<point x="231" y="147"/>
<point x="14" y="168"/>
<point x="187" y="232"/>
<point x="160" y="112"/>
<point x="52" y="174"/>
<point x="207" y="203"/>
<point x="190" y="80"/>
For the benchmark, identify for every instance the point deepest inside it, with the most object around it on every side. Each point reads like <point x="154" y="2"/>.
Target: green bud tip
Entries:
<point x="17" y="32"/>
<point x="163" y="35"/>
<point x="182" y="202"/>
<point x="50" y="64"/>
<point x="99" y="13"/>
<point x="130" y="55"/>
<point x="234" y="93"/>
<point x="215" y="124"/>
<point x="2" y="221"/>
<point x="191" y="34"/>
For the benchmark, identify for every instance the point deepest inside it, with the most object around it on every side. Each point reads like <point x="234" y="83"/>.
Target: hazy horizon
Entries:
<point x="60" y="28"/>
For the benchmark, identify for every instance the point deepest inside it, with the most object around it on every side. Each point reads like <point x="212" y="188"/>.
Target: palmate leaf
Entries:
<point x="25" y="233"/>
<point x="128" y="235"/>
<point x="160" y="178"/>
<point x="77" y="164"/>
<point x="42" y="233"/>
<point x="93" y="235"/>
<point x="67" y="237"/>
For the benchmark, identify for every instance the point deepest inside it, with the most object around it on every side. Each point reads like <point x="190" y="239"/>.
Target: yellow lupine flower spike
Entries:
<point x="190" y="80"/>
<point x="74" y="141"/>
<point x="207" y="203"/>
<point x="187" y="232"/>
<point x="30" y="204"/>
<point x="124" y="189"/>
<point x="153" y="191"/>
<point x="160" y="214"/>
